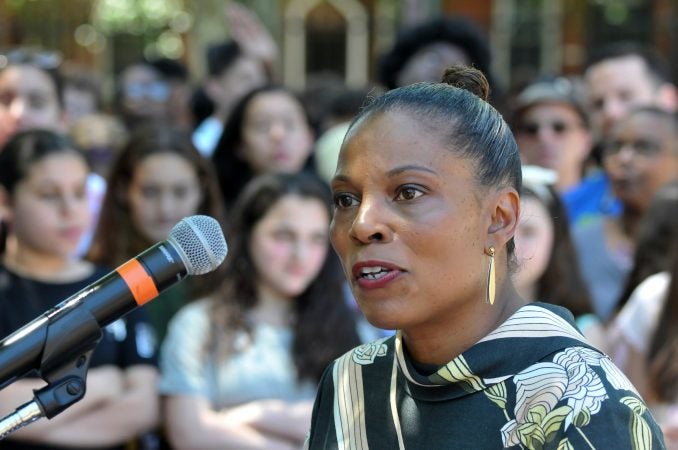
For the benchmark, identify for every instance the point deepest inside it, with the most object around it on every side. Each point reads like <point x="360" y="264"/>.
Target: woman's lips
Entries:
<point x="72" y="233"/>
<point x="375" y="274"/>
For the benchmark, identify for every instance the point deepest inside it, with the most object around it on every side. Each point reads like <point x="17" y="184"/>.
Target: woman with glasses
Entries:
<point x="639" y="157"/>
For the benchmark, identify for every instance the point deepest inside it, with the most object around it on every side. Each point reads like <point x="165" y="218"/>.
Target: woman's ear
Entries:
<point x="504" y="212"/>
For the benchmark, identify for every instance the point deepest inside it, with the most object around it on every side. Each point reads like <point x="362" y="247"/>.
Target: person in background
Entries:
<point x="240" y="368"/>
<point x="639" y="157"/>
<point x="232" y="74"/>
<point x="31" y="94"/>
<point x="142" y="95"/>
<point x="618" y="77"/>
<point x="551" y="128"/>
<point x="101" y="137"/>
<point x="643" y="340"/>
<point x="656" y="233"/>
<point x="622" y="76"/>
<point x="42" y="194"/>
<point x="157" y="179"/>
<point x="427" y="201"/>
<point x="81" y="92"/>
<point x="268" y="131"/>
<point x="548" y="268"/>
<point x="234" y="67"/>
<point x="341" y="109"/>
<point x="422" y="51"/>
<point x="176" y="75"/>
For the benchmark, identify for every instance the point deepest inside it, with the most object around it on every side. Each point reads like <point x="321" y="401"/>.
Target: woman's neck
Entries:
<point x="441" y="343"/>
<point x="271" y="308"/>
<point x="45" y="267"/>
<point x="529" y="292"/>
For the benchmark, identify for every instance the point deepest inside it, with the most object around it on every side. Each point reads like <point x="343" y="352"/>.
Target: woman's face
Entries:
<point x="30" y="97"/>
<point x="534" y="244"/>
<point x="408" y="226"/>
<point x="49" y="209"/>
<point x="276" y="136"/>
<point x="639" y="158"/>
<point x="289" y="245"/>
<point x="164" y="189"/>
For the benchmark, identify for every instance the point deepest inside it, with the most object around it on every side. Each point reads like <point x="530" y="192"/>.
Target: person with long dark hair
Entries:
<point x="643" y="337"/>
<point x="157" y="179"/>
<point x="43" y="197"/>
<point x="548" y="269"/>
<point x="267" y="131"/>
<point x="240" y="368"/>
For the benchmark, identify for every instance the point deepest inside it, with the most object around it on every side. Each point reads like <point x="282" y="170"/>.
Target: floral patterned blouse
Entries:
<point x="533" y="383"/>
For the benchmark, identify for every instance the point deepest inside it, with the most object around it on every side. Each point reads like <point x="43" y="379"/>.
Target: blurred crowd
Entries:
<point x="231" y="359"/>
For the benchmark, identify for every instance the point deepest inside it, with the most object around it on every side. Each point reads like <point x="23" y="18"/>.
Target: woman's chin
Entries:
<point x="384" y="321"/>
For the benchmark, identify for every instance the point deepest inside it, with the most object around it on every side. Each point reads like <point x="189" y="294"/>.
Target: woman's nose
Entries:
<point x="371" y="223"/>
<point x="277" y="131"/>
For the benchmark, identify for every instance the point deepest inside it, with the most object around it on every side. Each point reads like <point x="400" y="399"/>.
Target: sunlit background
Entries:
<point x="529" y="37"/>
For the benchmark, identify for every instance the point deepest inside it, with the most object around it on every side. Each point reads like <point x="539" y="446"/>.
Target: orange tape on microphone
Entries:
<point x="138" y="280"/>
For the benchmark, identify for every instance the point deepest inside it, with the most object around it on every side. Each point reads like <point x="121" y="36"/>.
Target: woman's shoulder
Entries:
<point x="651" y="289"/>
<point x="645" y="301"/>
<point x="195" y="311"/>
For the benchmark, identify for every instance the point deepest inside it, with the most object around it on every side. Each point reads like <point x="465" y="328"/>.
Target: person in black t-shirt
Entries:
<point x="43" y="204"/>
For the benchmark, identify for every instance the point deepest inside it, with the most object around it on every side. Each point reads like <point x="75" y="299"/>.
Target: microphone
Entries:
<point x="64" y="334"/>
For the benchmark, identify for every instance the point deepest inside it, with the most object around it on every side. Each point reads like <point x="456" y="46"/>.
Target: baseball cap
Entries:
<point x="556" y="90"/>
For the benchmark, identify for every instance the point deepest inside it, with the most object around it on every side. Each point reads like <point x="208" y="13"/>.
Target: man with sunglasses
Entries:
<point x="552" y="131"/>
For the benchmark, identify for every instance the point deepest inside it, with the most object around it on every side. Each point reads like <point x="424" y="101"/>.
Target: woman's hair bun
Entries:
<point x="468" y="78"/>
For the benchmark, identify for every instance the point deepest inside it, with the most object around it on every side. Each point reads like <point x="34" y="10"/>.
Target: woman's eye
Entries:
<point x="408" y="193"/>
<point x="345" y="200"/>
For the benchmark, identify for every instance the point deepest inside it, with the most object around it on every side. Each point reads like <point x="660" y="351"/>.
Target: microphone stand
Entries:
<point x="60" y="356"/>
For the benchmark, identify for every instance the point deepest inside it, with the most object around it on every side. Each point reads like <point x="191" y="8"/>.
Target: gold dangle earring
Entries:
<point x="491" y="277"/>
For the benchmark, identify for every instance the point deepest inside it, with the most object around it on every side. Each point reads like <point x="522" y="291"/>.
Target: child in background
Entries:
<point x="44" y="202"/>
<point x="267" y="131"/>
<point x="240" y="368"/>
<point x="548" y="268"/>
<point x="158" y="179"/>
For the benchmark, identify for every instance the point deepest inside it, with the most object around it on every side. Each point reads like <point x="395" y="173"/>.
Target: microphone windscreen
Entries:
<point x="201" y="242"/>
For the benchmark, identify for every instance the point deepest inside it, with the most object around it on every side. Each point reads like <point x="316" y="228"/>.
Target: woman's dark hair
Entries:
<point x="458" y="112"/>
<point x="456" y="30"/>
<point x="324" y="327"/>
<point x="221" y="56"/>
<point x="28" y="147"/>
<point x="23" y="151"/>
<point x="116" y="238"/>
<point x="561" y="283"/>
<point x="658" y="228"/>
<point x="657" y="251"/>
<point x="233" y="172"/>
<point x="662" y="358"/>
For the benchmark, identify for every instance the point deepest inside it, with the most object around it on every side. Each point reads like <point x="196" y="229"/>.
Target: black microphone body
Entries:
<point x="73" y="326"/>
<point x="60" y="341"/>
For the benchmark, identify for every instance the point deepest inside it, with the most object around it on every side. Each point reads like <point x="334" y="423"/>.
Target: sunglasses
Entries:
<point x="157" y="91"/>
<point x="42" y="59"/>
<point x="641" y="148"/>
<point x="557" y="127"/>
